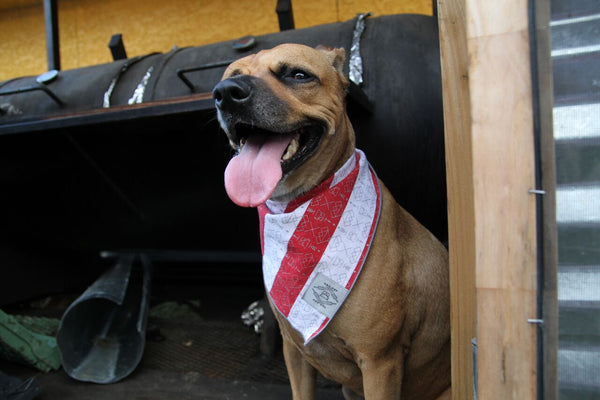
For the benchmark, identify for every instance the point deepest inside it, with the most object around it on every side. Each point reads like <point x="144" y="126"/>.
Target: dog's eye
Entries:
<point x="300" y="75"/>
<point x="235" y="72"/>
<point x="297" y="75"/>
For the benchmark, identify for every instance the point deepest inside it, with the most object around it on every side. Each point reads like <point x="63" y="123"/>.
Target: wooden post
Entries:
<point x="490" y="151"/>
<point x="459" y="170"/>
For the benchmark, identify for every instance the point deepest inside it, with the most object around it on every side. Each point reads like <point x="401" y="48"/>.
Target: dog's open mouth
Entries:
<point x="304" y="141"/>
<point x="264" y="158"/>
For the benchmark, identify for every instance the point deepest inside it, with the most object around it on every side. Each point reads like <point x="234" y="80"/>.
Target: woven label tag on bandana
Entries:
<point x="314" y="246"/>
<point x="325" y="295"/>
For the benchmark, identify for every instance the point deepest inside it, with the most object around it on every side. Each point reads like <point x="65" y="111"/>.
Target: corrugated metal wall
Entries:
<point x="575" y="30"/>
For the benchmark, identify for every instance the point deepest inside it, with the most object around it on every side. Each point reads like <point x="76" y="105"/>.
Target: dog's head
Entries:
<point x="283" y="111"/>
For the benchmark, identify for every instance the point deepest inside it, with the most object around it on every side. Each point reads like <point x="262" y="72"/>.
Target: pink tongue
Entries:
<point x="251" y="176"/>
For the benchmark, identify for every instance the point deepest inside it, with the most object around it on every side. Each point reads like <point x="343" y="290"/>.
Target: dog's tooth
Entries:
<point x="242" y="143"/>
<point x="291" y="149"/>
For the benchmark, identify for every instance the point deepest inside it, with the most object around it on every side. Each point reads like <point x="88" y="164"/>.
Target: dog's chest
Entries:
<point x="334" y="357"/>
<point x="329" y="353"/>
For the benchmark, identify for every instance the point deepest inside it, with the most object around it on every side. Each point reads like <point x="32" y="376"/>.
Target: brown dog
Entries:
<point x="284" y="112"/>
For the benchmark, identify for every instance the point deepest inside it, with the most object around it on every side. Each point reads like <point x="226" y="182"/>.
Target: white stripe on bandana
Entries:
<point x="314" y="246"/>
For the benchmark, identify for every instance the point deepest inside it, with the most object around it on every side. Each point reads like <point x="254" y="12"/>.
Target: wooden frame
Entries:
<point x="489" y="125"/>
<point x="547" y="180"/>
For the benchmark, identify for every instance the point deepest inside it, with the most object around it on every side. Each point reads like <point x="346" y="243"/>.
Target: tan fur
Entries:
<point x="391" y="338"/>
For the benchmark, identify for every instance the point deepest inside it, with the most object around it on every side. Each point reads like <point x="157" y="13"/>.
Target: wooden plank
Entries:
<point x="505" y="365"/>
<point x="488" y="18"/>
<point x="459" y="167"/>
<point x="505" y="212"/>
<point x="503" y="159"/>
<point x="492" y="216"/>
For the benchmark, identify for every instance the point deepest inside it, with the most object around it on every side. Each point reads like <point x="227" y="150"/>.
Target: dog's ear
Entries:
<point x="336" y="57"/>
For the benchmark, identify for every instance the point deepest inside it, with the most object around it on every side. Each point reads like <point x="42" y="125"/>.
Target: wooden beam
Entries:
<point x="459" y="167"/>
<point x="490" y="155"/>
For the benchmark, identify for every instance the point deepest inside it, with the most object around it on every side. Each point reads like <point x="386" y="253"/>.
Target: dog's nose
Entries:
<point x="231" y="92"/>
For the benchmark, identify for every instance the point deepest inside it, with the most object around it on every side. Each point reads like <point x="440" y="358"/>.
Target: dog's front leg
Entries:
<point x="382" y="380"/>
<point x="302" y="375"/>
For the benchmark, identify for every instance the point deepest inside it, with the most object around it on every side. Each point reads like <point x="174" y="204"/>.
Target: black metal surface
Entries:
<point x="117" y="47"/>
<point x="37" y="86"/>
<point x="182" y="71"/>
<point x="244" y="43"/>
<point x="285" y="15"/>
<point x="81" y="179"/>
<point x="180" y="256"/>
<point x="80" y="119"/>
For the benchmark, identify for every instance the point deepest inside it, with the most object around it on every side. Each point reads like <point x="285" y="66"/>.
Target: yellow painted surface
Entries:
<point x="86" y="26"/>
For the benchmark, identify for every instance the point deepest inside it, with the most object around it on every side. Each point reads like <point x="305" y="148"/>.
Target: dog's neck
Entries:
<point x="345" y="151"/>
<point x="276" y="206"/>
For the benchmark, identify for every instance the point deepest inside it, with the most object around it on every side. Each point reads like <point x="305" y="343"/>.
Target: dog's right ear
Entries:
<point x="336" y="57"/>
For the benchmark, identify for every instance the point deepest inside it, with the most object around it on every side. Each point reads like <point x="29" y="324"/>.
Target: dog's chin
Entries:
<point x="283" y="194"/>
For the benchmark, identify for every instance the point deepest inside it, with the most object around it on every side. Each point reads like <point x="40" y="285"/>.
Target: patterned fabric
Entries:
<point x="314" y="246"/>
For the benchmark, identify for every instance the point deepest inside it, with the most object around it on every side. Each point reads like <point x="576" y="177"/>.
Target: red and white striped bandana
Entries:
<point x="314" y="246"/>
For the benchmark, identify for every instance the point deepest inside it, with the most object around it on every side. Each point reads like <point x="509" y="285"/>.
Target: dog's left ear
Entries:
<point x="336" y="57"/>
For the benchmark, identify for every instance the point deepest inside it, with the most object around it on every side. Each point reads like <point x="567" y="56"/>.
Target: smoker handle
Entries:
<point x="41" y="87"/>
<point x="182" y="71"/>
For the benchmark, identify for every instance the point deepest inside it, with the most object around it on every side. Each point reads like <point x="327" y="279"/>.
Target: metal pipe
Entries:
<point x="285" y="14"/>
<point x="52" y="43"/>
<point x="102" y="334"/>
<point x="117" y="47"/>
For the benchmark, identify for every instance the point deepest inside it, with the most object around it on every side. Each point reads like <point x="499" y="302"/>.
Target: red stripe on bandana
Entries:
<point x="262" y="211"/>
<point x="321" y="327"/>
<point x="298" y="201"/>
<point x="309" y="241"/>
